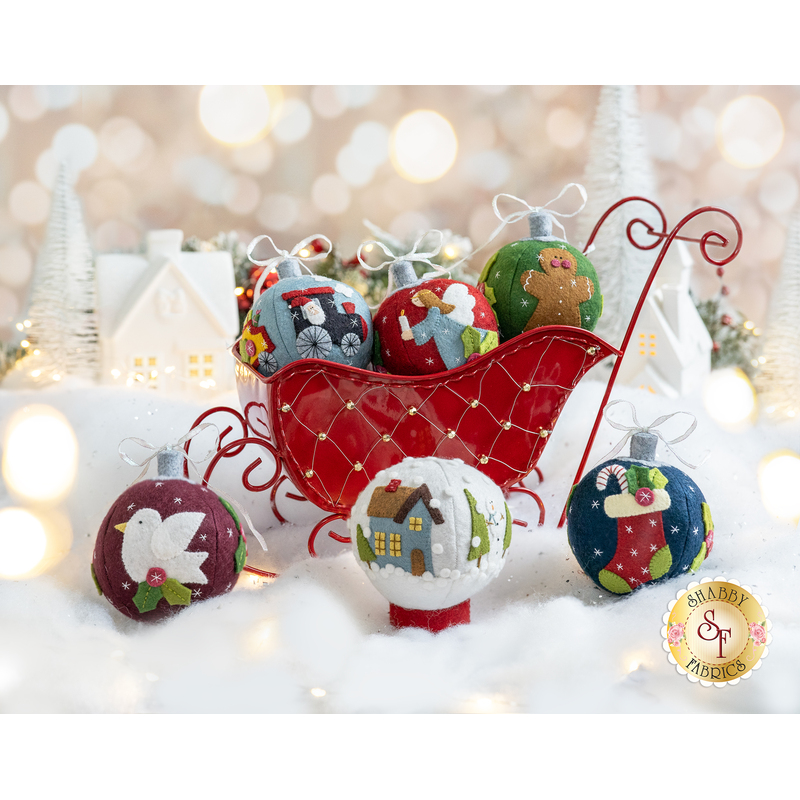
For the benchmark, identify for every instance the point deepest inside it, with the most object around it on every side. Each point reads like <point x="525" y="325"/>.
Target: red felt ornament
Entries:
<point x="431" y="325"/>
<point x="167" y="543"/>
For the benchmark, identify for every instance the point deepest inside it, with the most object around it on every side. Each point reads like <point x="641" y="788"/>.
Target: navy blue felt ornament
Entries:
<point x="633" y="521"/>
<point x="305" y="316"/>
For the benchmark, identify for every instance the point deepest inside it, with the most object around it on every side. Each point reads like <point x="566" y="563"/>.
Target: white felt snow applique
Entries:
<point x="154" y="554"/>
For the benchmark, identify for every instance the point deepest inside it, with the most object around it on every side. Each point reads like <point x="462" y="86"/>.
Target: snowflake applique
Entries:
<point x="645" y="570"/>
<point x="695" y="531"/>
<point x="597" y="552"/>
<point x="177" y="500"/>
<point x="634" y="552"/>
<point x="132" y="505"/>
<point x="524" y="302"/>
<point x="673" y="529"/>
<point x="197" y="593"/>
<point x="652" y="523"/>
<point x="230" y="533"/>
<point x="595" y="504"/>
<point x="653" y="548"/>
<point x="628" y="529"/>
<point x="126" y="585"/>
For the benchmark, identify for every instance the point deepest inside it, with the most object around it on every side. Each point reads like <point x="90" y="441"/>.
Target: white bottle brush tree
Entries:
<point x="778" y="380"/>
<point x="618" y="167"/>
<point x="63" y="294"/>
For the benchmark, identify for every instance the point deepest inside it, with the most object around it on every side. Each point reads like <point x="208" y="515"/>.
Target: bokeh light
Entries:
<point x="25" y="103"/>
<point x="22" y="542"/>
<point x="293" y="121"/>
<point x="40" y="454"/>
<point x="29" y="203"/>
<point x="122" y="141"/>
<point x="330" y="194"/>
<point x="235" y="114"/>
<point x="16" y="264"/>
<point x="76" y="145"/>
<point x="729" y="397"/>
<point x="750" y="131"/>
<point x="423" y="146"/>
<point x="565" y="128"/>
<point x="278" y="211"/>
<point x="4" y="122"/>
<point x="255" y="158"/>
<point x="778" y="479"/>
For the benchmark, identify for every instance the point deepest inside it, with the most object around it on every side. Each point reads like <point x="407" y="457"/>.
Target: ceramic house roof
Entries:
<point x="395" y="502"/>
<point x="124" y="279"/>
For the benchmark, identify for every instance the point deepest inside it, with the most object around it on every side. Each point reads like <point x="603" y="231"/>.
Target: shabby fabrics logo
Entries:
<point x="716" y="632"/>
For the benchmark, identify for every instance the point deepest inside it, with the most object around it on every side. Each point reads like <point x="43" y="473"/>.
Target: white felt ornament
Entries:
<point x="430" y="534"/>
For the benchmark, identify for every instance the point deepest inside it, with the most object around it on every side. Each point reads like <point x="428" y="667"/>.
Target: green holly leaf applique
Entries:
<point x="96" y="582"/>
<point x="240" y="556"/>
<point x="147" y="597"/>
<point x="229" y="509"/>
<point x="657" y="478"/>
<point x="175" y="593"/>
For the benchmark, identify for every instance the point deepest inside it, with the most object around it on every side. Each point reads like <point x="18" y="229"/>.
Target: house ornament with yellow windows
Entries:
<point x="167" y="317"/>
<point x="430" y="533"/>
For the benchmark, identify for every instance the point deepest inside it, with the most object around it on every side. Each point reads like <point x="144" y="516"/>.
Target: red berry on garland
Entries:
<point x="720" y="271"/>
<point x="727" y="319"/>
<point x="715" y="346"/>
<point x="166" y="543"/>
<point x="724" y="291"/>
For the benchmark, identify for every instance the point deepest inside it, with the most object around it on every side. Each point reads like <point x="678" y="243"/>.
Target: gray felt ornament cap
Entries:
<point x="541" y="224"/>
<point x="403" y="273"/>
<point x="289" y="268"/>
<point x="643" y="446"/>
<point x="170" y="464"/>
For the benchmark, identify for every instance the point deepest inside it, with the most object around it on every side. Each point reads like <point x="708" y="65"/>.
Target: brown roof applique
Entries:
<point x="396" y="503"/>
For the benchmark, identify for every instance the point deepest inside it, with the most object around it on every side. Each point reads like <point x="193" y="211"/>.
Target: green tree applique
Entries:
<point x="480" y="532"/>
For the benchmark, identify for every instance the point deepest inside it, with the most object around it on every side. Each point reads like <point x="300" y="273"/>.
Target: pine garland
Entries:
<point x="778" y="379"/>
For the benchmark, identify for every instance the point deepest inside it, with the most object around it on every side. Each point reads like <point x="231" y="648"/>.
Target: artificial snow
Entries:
<point x="543" y="638"/>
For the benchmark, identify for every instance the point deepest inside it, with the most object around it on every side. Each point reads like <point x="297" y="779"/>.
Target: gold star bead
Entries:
<point x="350" y="404"/>
<point x="526" y="387"/>
<point x="506" y="425"/>
<point x="484" y="459"/>
<point x="286" y="407"/>
<point x="309" y="473"/>
<point x="451" y="433"/>
<point x="386" y="437"/>
<point x="412" y="411"/>
<point x="591" y="350"/>
<point x="474" y="403"/>
<point x="544" y="434"/>
<point x="322" y="436"/>
<point x="358" y="466"/>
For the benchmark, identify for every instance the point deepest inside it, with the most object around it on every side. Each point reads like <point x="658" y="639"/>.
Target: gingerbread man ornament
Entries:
<point x="559" y="289"/>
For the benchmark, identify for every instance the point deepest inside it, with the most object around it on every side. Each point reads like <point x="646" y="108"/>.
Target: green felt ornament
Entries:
<point x="540" y="281"/>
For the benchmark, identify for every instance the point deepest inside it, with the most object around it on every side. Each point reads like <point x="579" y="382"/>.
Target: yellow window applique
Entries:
<point x="380" y="543"/>
<point x="193" y="373"/>
<point x="152" y="361"/>
<point x="193" y="359"/>
<point x="394" y="545"/>
<point x="138" y="362"/>
<point x="415" y="523"/>
<point x="208" y="359"/>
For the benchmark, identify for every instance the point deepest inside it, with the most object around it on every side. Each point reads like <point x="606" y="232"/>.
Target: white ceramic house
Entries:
<point x="670" y="350"/>
<point x="167" y="318"/>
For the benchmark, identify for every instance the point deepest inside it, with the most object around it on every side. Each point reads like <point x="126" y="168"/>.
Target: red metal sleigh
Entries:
<point x="331" y="428"/>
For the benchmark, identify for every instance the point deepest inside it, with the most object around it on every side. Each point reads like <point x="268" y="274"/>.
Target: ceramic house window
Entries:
<point x="395" y="545"/>
<point x="644" y="341"/>
<point x="200" y="365"/>
<point x="380" y="543"/>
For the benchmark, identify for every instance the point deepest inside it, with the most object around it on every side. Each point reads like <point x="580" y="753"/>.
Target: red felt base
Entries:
<point x="433" y="621"/>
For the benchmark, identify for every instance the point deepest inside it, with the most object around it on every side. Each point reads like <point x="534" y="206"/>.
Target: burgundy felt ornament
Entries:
<point x="167" y="543"/>
<point x="431" y="325"/>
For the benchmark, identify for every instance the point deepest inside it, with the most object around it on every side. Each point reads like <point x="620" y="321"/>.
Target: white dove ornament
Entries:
<point x="165" y="544"/>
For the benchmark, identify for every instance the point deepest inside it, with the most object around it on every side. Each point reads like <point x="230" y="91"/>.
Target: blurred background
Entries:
<point x="293" y="161"/>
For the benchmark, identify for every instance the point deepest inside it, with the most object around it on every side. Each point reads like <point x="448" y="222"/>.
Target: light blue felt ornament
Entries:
<point x="309" y="316"/>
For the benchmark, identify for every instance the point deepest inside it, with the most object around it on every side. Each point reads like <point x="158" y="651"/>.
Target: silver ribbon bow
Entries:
<point x="412" y="255"/>
<point x="273" y="261"/>
<point x="637" y="427"/>
<point x="177" y="447"/>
